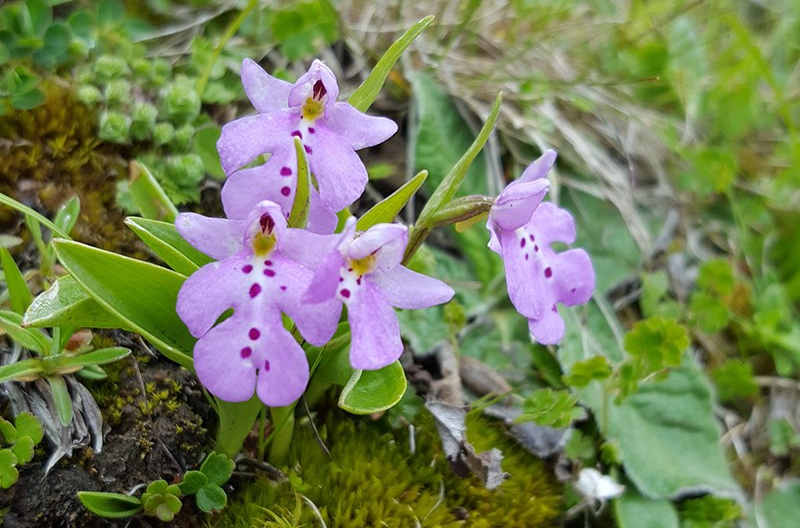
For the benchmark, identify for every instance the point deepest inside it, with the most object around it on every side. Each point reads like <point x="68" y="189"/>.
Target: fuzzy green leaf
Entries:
<point x="299" y="214"/>
<point x="18" y="293"/>
<point x="28" y="425"/>
<point x="385" y="210"/>
<point x="165" y="241"/>
<point x="211" y="499"/>
<point x="192" y="482"/>
<point x="218" y="468"/>
<point x="365" y="94"/>
<point x="371" y="391"/>
<point x="66" y="304"/>
<point x="8" y="468"/>
<point x="141" y="294"/>
<point x="553" y="408"/>
<point x="635" y="511"/>
<point x="112" y="505"/>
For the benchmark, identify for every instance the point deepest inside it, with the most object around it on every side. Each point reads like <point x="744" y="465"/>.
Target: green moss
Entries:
<point x="373" y="479"/>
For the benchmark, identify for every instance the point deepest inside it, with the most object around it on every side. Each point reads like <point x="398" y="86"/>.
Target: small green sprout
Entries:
<point x="162" y="500"/>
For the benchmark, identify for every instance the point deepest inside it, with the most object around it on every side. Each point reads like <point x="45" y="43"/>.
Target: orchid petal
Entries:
<point x="552" y="224"/>
<point x="267" y="93"/>
<point x="516" y="204"/>
<point x="574" y="277"/>
<point x="340" y="174"/>
<point x="216" y="237"/>
<point x="375" y="331"/>
<point x="411" y="290"/>
<point x="326" y="279"/>
<point x="220" y="365"/>
<point x="283" y="375"/>
<point x="320" y="219"/>
<point x="307" y="248"/>
<point x="524" y="275"/>
<point x="302" y="89"/>
<point x="244" y="139"/>
<point x="359" y="130"/>
<point x="244" y="189"/>
<point x="539" y="168"/>
<point x="386" y="241"/>
<point x="549" y="329"/>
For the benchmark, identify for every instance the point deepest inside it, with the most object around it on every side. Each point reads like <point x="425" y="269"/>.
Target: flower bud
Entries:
<point x="181" y="102"/>
<point x="109" y="67"/>
<point x="143" y="121"/>
<point x="114" y="127"/>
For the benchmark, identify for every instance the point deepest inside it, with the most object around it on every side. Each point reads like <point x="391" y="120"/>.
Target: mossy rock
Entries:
<point x="372" y="478"/>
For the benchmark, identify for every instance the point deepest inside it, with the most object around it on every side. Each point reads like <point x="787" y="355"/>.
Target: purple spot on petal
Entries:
<point x="341" y="279"/>
<point x="255" y="289"/>
<point x="286" y="171"/>
<point x="311" y="130"/>
<point x="533" y="238"/>
<point x="283" y="288"/>
<point x="286" y="191"/>
<point x="527" y="256"/>
<point x="269" y="272"/>
<point x="554" y="309"/>
<point x="297" y="133"/>
<point x="358" y="281"/>
<point x="572" y="290"/>
<point x="247" y="268"/>
<point x="308" y="149"/>
<point x="345" y="293"/>
<point x="246" y="352"/>
<point x="548" y="272"/>
<point x="536" y="247"/>
<point x="254" y="334"/>
<point x="268" y="263"/>
<point x="266" y="365"/>
<point x="522" y="243"/>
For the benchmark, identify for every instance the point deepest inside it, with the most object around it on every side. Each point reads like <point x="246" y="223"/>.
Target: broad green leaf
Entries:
<point x="147" y="194"/>
<point x="668" y="437"/>
<point x="28" y="425"/>
<point x="18" y="292"/>
<point x="141" y="294"/>
<point x="30" y="338"/>
<point x="61" y="398"/>
<point x="192" y="482"/>
<point x="387" y="209"/>
<point x="28" y="100"/>
<point x="66" y="304"/>
<point x="8" y="433"/>
<point x="365" y="94"/>
<point x="371" y="391"/>
<point x="218" y="468"/>
<point x="211" y="499"/>
<point x="780" y="508"/>
<point x="21" y="370"/>
<point x="299" y="214"/>
<point x="113" y="505"/>
<point x="23" y="449"/>
<point x="24" y="209"/>
<point x="96" y="357"/>
<point x="8" y="468"/>
<point x="635" y="511"/>
<point x="167" y="243"/>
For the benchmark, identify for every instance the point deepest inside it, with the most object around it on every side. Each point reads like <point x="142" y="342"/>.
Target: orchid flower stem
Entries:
<point x="235" y="422"/>
<point x="283" y="419"/>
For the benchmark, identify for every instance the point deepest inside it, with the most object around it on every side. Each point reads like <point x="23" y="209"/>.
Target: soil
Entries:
<point x="139" y="448"/>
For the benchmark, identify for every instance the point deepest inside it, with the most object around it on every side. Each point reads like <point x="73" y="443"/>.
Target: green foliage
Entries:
<point x="584" y="372"/>
<point x="301" y="28"/>
<point x="21" y="437"/>
<point x="215" y="471"/>
<point x="734" y="381"/>
<point x="111" y="505"/>
<point x="162" y="500"/>
<point x="372" y="391"/>
<point x="782" y="437"/>
<point x="710" y="512"/>
<point x="554" y="408"/>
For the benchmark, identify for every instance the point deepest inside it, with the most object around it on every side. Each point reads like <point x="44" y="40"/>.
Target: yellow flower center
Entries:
<point x="364" y="265"/>
<point x="312" y="109"/>
<point x="263" y="244"/>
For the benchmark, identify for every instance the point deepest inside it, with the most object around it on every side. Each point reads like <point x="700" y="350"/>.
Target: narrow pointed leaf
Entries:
<point x="371" y="391"/>
<point x="30" y="338"/>
<point x="67" y="215"/>
<point x="148" y="195"/>
<point x="24" y="209"/>
<point x="61" y="398"/>
<point x="18" y="292"/>
<point x="167" y="243"/>
<point x="299" y="215"/>
<point x="113" y="505"/>
<point x="365" y="94"/>
<point x="66" y="304"/>
<point x="385" y="210"/>
<point x="96" y="357"/>
<point x="21" y="370"/>
<point x="143" y="295"/>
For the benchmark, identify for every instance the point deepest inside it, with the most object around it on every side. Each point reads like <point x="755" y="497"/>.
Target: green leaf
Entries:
<point x="113" y="505"/>
<point x="61" y="398"/>
<point x="299" y="214"/>
<point x="668" y="437"/>
<point x="734" y="380"/>
<point x="110" y="12"/>
<point x="8" y="468"/>
<point x="41" y="15"/>
<point x="553" y="408"/>
<point x="371" y="391"/>
<point x="165" y="241"/>
<point x="365" y="94"/>
<point x="67" y="215"/>
<point x="8" y="431"/>
<point x="657" y="343"/>
<point x="24" y="209"/>
<point x="218" y="468"/>
<point x="205" y="145"/>
<point x="141" y="294"/>
<point x="211" y="499"/>
<point x="31" y="338"/>
<point x="66" y="304"/>
<point x="28" y="425"/>
<point x="192" y="482"/>
<point x="28" y="100"/>
<point x="23" y="449"/>
<point x="18" y="293"/>
<point x="21" y="370"/>
<point x="780" y="508"/>
<point x="147" y="194"/>
<point x="632" y="510"/>
<point x="584" y="372"/>
<point x="387" y="209"/>
<point x="64" y="362"/>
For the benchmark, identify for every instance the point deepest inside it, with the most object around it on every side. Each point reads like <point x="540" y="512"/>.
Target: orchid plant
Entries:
<point x="254" y="304"/>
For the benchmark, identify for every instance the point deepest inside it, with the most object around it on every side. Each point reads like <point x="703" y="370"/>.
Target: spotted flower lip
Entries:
<point x="258" y="275"/>
<point x="331" y="132"/>
<point x="522" y="230"/>
<point x="365" y="273"/>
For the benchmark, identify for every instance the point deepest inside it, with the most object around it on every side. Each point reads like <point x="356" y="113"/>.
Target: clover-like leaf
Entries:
<point x="8" y="431"/>
<point x="554" y="408"/>
<point x="192" y="482"/>
<point x="162" y="500"/>
<point x="657" y="343"/>
<point x="211" y="498"/>
<point x="23" y="449"/>
<point x="8" y="468"/>
<point x="218" y="468"/>
<point x="584" y="372"/>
